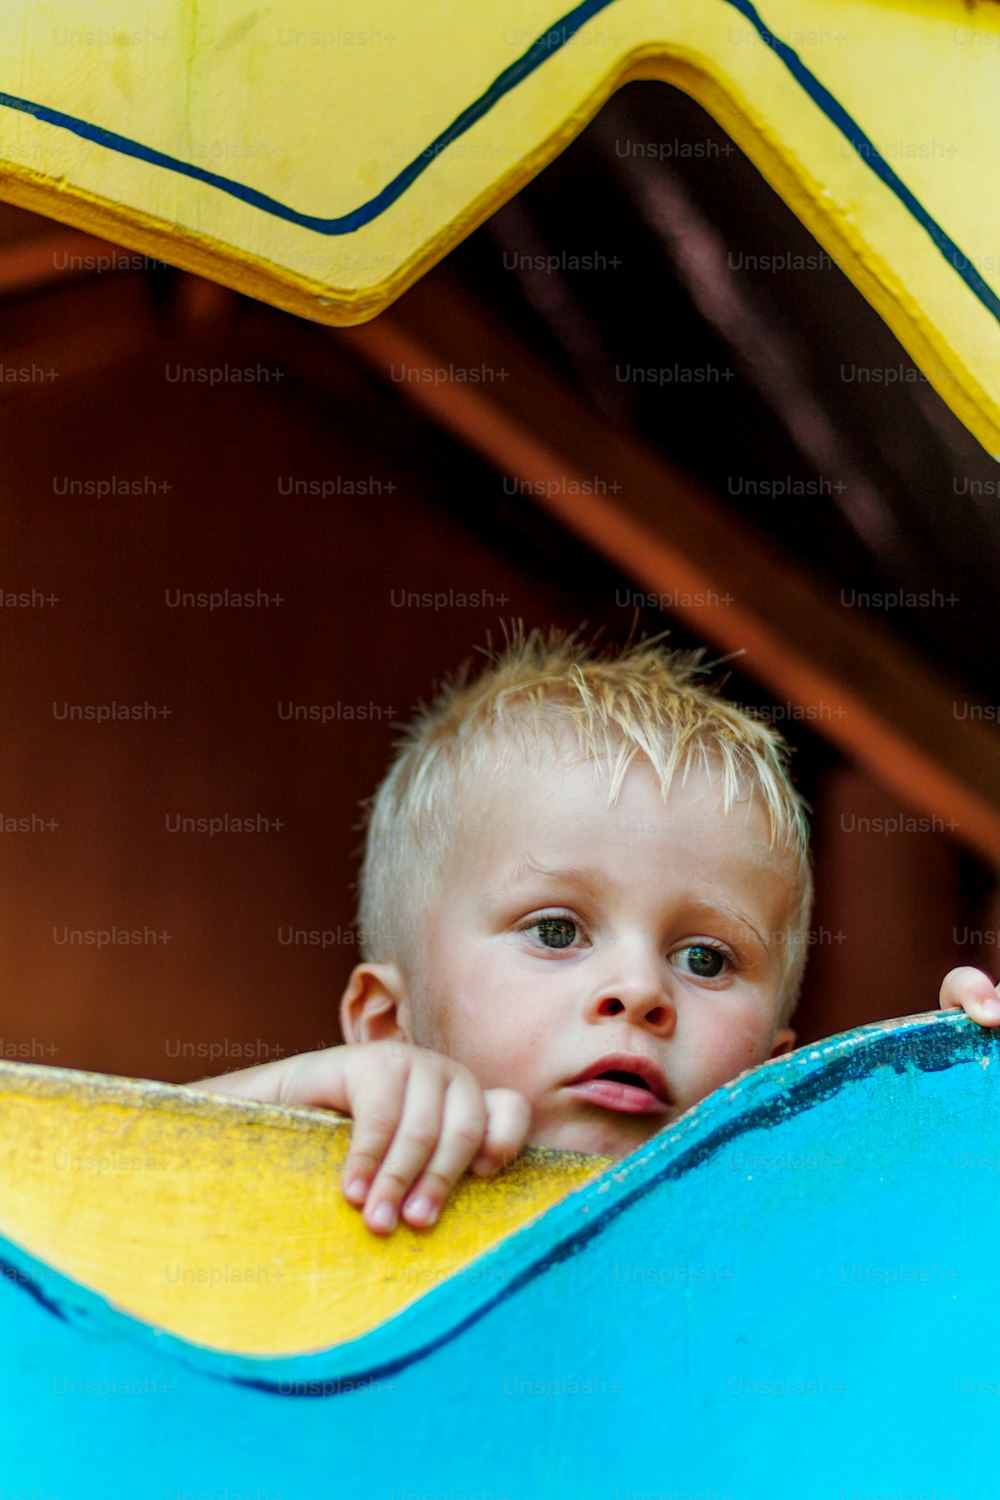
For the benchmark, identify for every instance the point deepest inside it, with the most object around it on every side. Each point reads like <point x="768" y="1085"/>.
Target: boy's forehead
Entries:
<point x="554" y="789"/>
<point x="560" y="755"/>
<point x="530" y="809"/>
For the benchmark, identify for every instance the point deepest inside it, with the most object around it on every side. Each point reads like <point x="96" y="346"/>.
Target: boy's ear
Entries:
<point x="369" y="1006"/>
<point x="784" y="1041"/>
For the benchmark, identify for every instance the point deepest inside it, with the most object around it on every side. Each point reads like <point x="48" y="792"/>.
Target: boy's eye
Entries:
<point x="702" y="961"/>
<point x="554" y="932"/>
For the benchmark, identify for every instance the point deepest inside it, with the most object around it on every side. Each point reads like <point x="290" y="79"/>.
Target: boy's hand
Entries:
<point x="972" y="991"/>
<point x="420" y="1119"/>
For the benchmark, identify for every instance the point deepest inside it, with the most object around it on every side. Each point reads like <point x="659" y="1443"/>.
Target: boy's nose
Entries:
<point x="641" y="997"/>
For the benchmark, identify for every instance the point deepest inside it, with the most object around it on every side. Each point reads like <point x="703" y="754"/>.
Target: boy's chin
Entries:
<point x="611" y="1135"/>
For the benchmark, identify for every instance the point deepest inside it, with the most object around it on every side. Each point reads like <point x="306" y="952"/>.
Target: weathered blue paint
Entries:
<point x="788" y="1295"/>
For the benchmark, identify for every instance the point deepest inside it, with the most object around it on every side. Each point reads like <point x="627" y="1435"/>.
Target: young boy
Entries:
<point x="585" y="903"/>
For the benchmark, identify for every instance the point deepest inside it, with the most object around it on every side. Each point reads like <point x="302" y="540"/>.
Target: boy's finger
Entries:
<point x="508" y="1122"/>
<point x="413" y="1145"/>
<point x="376" y="1109"/>
<point x="972" y="991"/>
<point x="463" y="1126"/>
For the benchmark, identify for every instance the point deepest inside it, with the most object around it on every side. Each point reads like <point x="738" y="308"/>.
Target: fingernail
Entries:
<point x="383" y="1216"/>
<point x="355" y="1189"/>
<point x="991" y="1008"/>
<point x="420" y="1211"/>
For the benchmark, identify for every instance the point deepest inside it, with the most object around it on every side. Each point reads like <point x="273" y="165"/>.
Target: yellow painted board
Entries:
<point x="323" y="157"/>
<point x="221" y="1220"/>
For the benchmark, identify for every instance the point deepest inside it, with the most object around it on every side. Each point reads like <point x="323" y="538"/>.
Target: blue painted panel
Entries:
<point x="787" y="1296"/>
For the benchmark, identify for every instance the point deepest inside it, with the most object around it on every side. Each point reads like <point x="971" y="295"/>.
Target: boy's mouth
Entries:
<point x="628" y="1085"/>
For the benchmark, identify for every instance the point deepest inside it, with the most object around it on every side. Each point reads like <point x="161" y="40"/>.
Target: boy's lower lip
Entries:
<point x="623" y="1098"/>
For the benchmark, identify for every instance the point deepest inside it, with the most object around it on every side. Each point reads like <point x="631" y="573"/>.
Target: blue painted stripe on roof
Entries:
<point x="871" y="156"/>
<point x="552" y="40"/>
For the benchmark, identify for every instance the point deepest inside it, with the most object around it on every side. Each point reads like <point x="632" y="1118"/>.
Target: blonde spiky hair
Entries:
<point x="637" y="700"/>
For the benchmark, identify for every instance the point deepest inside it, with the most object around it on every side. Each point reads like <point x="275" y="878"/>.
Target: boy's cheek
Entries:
<point x="734" y="1048"/>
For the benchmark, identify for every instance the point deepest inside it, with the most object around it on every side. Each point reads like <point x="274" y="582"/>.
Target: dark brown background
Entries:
<point x="431" y="518"/>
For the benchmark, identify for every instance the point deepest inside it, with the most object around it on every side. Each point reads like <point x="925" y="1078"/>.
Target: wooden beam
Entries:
<point x="857" y="684"/>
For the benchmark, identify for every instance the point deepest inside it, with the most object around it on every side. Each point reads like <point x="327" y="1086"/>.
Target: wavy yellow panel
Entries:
<point x="322" y="157"/>
<point x="222" y="1221"/>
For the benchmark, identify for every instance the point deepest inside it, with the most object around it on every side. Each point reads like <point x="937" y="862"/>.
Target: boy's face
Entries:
<point x="614" y="965"/>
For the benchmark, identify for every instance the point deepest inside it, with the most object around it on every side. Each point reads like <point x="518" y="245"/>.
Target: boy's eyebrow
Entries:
<point x="722" y="909"/>
<point x="527" y="866"/>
